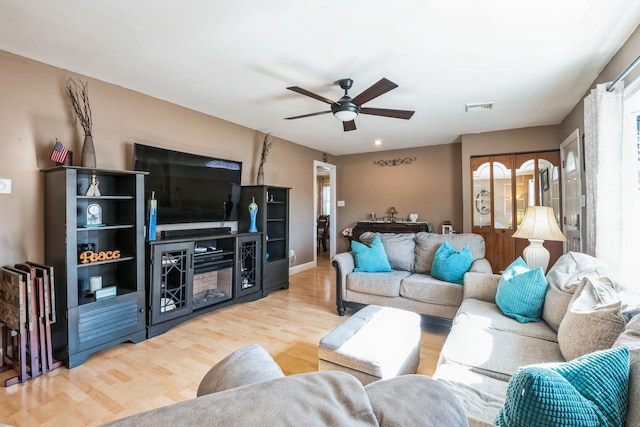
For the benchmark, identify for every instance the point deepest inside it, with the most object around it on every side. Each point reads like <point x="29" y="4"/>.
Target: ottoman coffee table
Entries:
<point x="373" y="344"/>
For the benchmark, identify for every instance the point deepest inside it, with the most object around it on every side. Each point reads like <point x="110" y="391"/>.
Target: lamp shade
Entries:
<point x="539" y="223"/>
<point x="392" y="210"/>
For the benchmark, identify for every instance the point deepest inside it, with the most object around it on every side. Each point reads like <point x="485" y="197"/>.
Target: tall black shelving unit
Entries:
<point x="273" y="220"/>
<point x="85" y="322"/>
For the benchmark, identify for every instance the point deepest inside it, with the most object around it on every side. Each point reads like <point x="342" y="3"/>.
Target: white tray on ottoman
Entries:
<point x="374" y="343"/>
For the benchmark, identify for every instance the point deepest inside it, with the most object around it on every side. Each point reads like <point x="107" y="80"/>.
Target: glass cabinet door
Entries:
<point x="502" y="188"/>
<point x="481" y="203"/>
<point x="502" y="193"/>
<point x="493" y="206"/>
<point x="537" y="182"/>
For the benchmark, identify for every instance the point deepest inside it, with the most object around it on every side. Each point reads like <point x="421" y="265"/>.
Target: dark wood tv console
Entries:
<point x="192" y="275"/>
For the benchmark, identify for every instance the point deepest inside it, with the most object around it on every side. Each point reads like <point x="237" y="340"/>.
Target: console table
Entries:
<point x="390" y="227"/>
<point x="192" y="275"/>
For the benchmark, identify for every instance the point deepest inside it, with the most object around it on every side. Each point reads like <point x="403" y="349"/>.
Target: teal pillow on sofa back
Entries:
<point x="521" y="292"/>
<point x="370" y="259"/>
<point x="450" y="265"/>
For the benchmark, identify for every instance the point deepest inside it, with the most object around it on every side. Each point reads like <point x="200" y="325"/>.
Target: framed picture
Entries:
<point x="544" y="179"/>
<point x="447" y="229"/>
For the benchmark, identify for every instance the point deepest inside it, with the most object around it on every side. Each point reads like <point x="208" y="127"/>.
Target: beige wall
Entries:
<point x="507" y="141"/>
<point x="34" y="111"/>
<point x="430" y="186"/>
<point x="625" y="56"/>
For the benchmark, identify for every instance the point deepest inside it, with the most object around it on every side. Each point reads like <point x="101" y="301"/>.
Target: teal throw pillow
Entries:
<point x="591" y="390"/>
<point x="370" y="259"/>
<point x="521" y="292"/>
<point x="450" y="265"/>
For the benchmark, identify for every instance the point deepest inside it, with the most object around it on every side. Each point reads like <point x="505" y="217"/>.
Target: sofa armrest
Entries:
<point x="247" y="365"/>
<point x="344" y="263"/>
<point x="481" y="265"/>
<point x="480" y="286"/>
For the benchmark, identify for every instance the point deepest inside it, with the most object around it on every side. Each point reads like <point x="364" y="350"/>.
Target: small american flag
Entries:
<point x="59" y="153"/>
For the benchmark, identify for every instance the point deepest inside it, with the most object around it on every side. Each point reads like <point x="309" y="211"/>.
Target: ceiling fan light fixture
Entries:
<point x="347" y="114"/>
<point x="345" y="110"/>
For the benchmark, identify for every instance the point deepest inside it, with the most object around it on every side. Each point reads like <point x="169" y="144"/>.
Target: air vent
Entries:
<point x="478" y="106"/>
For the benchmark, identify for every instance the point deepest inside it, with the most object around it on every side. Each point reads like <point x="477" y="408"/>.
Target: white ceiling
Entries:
<point x="234" y="59"/>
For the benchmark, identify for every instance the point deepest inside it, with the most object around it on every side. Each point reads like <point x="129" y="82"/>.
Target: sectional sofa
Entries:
<point x="248" y="388"/>
<point x="583" y="351"/>
<point x="485" y="348"/>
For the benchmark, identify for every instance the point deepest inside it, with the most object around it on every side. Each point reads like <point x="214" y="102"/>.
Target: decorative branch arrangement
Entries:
<point x="266" y="146"/>
<point x="395" y="162"/>
<point x="78" y="93"/>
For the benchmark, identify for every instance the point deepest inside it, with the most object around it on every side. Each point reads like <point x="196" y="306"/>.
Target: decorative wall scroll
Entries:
<point x="395" y="162"/>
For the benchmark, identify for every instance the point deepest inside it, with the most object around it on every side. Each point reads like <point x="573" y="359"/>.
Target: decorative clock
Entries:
<point x="94" y="215"/>
<point x="483" y="202"/>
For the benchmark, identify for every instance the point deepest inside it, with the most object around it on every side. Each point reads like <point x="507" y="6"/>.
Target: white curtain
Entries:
<point x="604" y="153"/>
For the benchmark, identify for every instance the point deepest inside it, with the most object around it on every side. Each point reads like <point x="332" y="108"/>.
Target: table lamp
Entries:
<point x="539" y="224"/>
<point x="392" y="212"/>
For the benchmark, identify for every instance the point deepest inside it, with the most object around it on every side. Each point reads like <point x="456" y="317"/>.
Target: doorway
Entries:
<point x="322" y="169"/>
<point x="572" y="200"/>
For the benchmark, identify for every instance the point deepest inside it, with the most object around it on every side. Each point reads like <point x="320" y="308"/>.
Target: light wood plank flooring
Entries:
<point x="131" y="378"/>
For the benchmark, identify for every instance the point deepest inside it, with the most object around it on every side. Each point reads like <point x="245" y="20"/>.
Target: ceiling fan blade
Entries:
<point x="307" y="115"/>
<point x="382" y="86"/>
<point x="311" y="94"/>
<point x="350" y="125"/>
<point x="396" y="114"/>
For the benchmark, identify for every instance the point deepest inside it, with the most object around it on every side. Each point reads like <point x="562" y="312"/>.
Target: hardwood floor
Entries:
<point x="131" y="378"/>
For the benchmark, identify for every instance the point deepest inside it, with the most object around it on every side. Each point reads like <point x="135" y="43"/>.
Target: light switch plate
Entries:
<point x="5" y="186"/>
<point x="341" y="203"/>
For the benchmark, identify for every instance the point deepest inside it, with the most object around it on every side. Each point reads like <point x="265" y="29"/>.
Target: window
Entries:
<point x="630" y="208"/>
<point x="638" y="149"/>
<point x="326" y="197"/>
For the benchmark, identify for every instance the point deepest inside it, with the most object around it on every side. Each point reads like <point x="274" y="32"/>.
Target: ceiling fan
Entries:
<point x="346" y="109"/>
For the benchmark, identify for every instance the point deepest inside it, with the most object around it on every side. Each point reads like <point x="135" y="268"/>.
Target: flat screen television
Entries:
<point x="190" y="187"/>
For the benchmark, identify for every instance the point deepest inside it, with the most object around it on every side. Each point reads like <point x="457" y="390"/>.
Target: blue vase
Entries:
<point x="253" y="213"/>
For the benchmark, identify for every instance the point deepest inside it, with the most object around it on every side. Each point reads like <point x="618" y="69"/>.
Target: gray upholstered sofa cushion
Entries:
<point x="481" y="314"/>
<point x="428" y="402"/>
<point x="421" y="287"/>
<point x="428" y="243"/>
<point x="400" y="248"/>
<point x="482" y="396"/>
<point x="384" y="284"/>
<point x="494" y="352"/>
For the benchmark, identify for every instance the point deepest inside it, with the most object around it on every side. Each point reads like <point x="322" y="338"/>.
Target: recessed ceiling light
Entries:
<point x="478" y="106"/>
<point x="377" y="142"/>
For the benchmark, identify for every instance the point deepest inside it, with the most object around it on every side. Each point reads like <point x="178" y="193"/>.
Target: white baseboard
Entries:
<point x="302" y="267"/>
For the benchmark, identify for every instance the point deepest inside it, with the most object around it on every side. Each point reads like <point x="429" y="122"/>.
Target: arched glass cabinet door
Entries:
<point x="537" y="182"/>
<point x="492" y="205"/>
<point x="481" y="203"/>
<point x="502" y="193"/>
